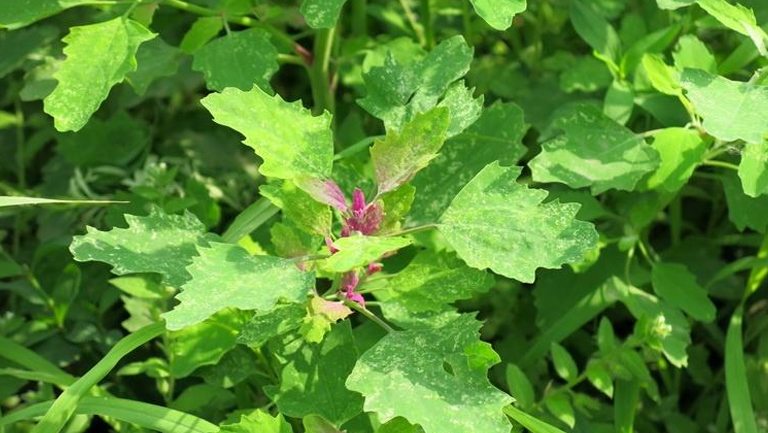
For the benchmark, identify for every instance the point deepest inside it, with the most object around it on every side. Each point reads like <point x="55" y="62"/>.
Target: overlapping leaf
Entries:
<point x="238" y="59"/>
<point x="753" y="169"/>
<point x="321" y="14"/>
<point x="497" y="223"/>
<point x="498" y="13"/>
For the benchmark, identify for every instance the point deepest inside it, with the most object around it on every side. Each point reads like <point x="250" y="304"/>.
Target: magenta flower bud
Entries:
<point x="356" y="297"/>
<point x="358" y="201"/>
<point x="329" y="244"/>
<point x="349" y="281"/>
<point x="374" y="268"/>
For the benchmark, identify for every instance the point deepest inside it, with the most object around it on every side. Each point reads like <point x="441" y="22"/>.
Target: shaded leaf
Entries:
<point x="677" y="285"/>
<point x="238" y="59"/>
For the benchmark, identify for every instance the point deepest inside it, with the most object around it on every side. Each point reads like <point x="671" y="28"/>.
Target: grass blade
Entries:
<point x="533" y="424"/>
<point x="7" y="201"/>
<point x="736" y="382"/>
<point x="250" y="219"/>
<point x="65" y="405"/>
<point x="30" y="360"/>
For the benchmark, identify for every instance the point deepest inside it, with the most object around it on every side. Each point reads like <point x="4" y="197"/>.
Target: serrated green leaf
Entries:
<point x="397" y="92"/>
<point x="98" y="57"/>
<point x="155" y="59"/>
<point x="158" y="243"/>
<point x="428" y="285"/>
<point x="731" y="110"/>
<point x="396" y="205"/>
<point x="321" y="14"/>
<point x="424" y="376"/>
<point x="358" y="250"/>
<point x="464" y="108"/>
<point x="565" y="366"/>
<point x="737" y="18"/>
<point x="498" y="13"/>
<point x="258" y="421"/>
<point x="680" y="152"/>
<point x="593" y="151"/>
<point x="115" y="141"/>
<point x="238" y="59"/>
<point x="399" y="156"/>
<point x="677" y="285"/>
<point x="519" y="386"/>
<point x="497" y="223"/>
<point x="292" y="143"/>
<point x="753" y="169"/>
<point x="496" y="135"/>
<point x="289" y="241"/>
<point x="205" y="343"/>
<point x="225" y="275"/>
<point x="312" y="376"/>
<point x="272" y="323"/>
<point x="299" y="208"/>
<point x="744" y="211"/>
<point x="203" y="30"/>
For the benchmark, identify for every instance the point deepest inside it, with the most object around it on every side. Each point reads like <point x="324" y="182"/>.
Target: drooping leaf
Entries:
<point x="155" y="59"/>
<point x="731" y="110"/>
<point x="397" y="92"/>
<point x="675" y="284"/>
<point x="312" y="376"/>
<point x="239" y="59"/>
<point x="426" y="377"/>
<point x="753" y="169"/>
<point x="593" y="151"/>
<point x="98" y="57"/>
<point x="400" y="156"/>
<point x="158" y="242"/>
<point x="496" y="136"/>
<point x="321" y="14"/>
<point x="427" y="287"/>
<point x="225" y="275"/>
<point x="737" y="18"/>
<point x="498" y="13"/>
<point x="680" y="152"/>
<point x="292" y="143"/>
<point x="358" y="250"/>
<point x="744" y="211"/>
<point x="497" y="223"/>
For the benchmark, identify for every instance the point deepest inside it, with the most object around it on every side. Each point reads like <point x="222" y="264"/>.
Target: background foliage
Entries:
<point x="375" y="216"/>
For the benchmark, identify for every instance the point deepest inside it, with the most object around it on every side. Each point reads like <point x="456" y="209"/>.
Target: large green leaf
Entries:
<point x="225" y="275"/>
<point x="433" y="377"/>
<point x="19" y="13"/>
<point x="427" y="286"/>
<point x="497" y="223"/>
<point x="358" y="250"/>
<point x="737" y="18"/>
<point x="292" y="143"/>
<point x="98" y="57"/>
<point x="497" y="135"/>
<point x="680" y="152"/>
<point x="312" y="376"/>
<point x="400" y="156"/>
<point x="238" y="59"/>
<point x="593" y="151"/>
<point x="321" y="14"/>
<point x="753" y="169"/>
<point x="498" y="13"/>
<point x="396" y="92"/>
<point x="731" y="110"/>
<point x="160" y="243"/>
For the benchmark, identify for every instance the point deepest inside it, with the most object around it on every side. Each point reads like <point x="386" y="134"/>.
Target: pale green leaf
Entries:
<point x="98" y="57"/>
<point x="159" y="243"/>
<point x="399" y="156"/>
<point x="619" y="102"/>
<point x="312" y="376"/>
<point x="565" y="366"/>
<point x="691" y="53"/>
<point x="425" y="376"/>
<point x="464" y="108"/>
<point x="358" y="250"/>
<point x="496" y="135"/>
<point x="753" y="169"/>
<point x="397" y="92"/>
<point x="663" y="78"/>
<point x="680" y="152"/>
<point x="258" y="421"/>
<point x="533" y="424"/>
<point x="498" y="13"/>
<point x="291" y="142"/>
<point x="674" y="4"/>
<point x="396" y="205"/>
<point x="290" y="241"/>
<point x="321" y="14"/>
<point x="593" y="151"/>
<point x="731" y="110"/>
<point x="427" y="287"/>
<point x="737" y="18"/>
<point x="677" y="285"/>
<point x="225" y="275"/>
<point x="238" y="59"/>
<point x="317" y="424"/>
<point x="497" y="223"/>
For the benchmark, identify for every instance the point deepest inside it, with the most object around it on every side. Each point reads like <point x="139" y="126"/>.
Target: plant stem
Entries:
<point x="359" y="18"/>
<point x="290" y="59"/>
<point x="309" y="257"/>
<point x="722" y="164"/>
<point x="367" y="313"/>
<point x="466" y="18"/>
<point x="21" y="171"/>
<point x="413" y="230"/>
<point x="319" y="75"/>
<point x="414" y="22"/>
<point x="429" y="31"/>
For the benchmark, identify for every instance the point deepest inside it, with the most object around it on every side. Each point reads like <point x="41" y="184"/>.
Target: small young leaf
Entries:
<point x="238" y="59"/>
<point x="225" y="275"/>
<point x="560" y="406"/>
<point x="599" y="376"/>
<point x="357" y="251"/>
<point x="400" y="156"/>
<point x="258" y="421"/>
<point x="678" y="286"/>
<point x="753" y="169"/>
<point x="606" y="338"/>
<point x="490" y="225"/>
<point x="299" y="208"/>
<point x="292" y="143"/>
<point x="680" y="152"/>
<point x="203" y="30"/>
<point x="498" y="13"/>
<point x="98" y="57"/>
<point x="565" y="366"/>
<point x="691" y="53"/>
<point x="519" y="386"/>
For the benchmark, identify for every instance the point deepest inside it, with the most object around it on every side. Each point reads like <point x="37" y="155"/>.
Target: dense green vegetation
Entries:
<point x="369" y="216"/>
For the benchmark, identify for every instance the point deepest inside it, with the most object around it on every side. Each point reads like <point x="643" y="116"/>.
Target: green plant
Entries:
<point x="546" y="217"/>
